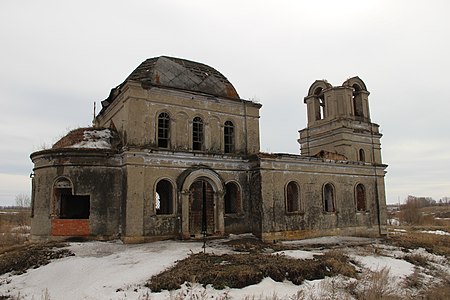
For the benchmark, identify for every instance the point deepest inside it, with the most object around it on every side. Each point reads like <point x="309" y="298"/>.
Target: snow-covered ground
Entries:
<point x="112" y="270"/>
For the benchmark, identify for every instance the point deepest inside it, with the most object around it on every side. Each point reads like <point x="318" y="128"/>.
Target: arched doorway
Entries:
<point x="201" y="209"/>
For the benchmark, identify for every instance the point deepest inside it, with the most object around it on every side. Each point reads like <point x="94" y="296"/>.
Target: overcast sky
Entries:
<point x="58" y="57"/>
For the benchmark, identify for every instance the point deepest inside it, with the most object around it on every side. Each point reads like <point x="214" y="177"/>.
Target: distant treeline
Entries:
<point x="14" y="208"/>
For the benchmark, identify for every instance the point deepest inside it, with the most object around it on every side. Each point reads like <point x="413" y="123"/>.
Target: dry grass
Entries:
<point x="374" y="285"/>
<point x="434" y="216"/>
<point x="416" y="259"/>
<point x="441" y="292"/>
<point x="253" y="245"/>
<point x="19" y="259"/>
<point x="14" y="227"/>
<point x="240" y="270"/>
<point x="433" y="243"/>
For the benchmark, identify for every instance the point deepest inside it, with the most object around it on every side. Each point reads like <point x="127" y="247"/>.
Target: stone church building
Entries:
<point x="175" y="153"/>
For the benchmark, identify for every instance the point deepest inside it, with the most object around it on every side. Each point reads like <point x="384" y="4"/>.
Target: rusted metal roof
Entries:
<point x="183" y="74"/>
<point x="177" y="73"/>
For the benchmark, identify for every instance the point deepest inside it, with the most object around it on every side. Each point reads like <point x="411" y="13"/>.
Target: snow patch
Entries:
<point x="298" y="254"/>
<point x="397" y="267"/>
<point x="95" y="139"/>
<point x="439" y="232"/>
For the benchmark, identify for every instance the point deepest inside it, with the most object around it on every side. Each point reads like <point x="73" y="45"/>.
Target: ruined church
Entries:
<point x="175" y="153"/>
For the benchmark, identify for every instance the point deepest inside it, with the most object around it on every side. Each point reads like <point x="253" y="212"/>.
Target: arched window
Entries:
<point x="164" y="198"/>
<point x="320" y="104"/>
<point x="163" y="130"/>
<point x="357" y="101"/>
<point x="228" y="134"/>
<point x="67" y="205"/>
<point x="362" y="155"/>
<point x="360" y="195"/>
<point x="328" y="198"/>
<point x="232" y="198"/>
<point x="197" y="134"/>
<point x="292" y="197"/>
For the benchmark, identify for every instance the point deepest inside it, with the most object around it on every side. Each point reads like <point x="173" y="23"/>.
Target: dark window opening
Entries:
<point x="360" y="198"/>
<point x="197" y="134"/>
<point x="328" y="198"/>
<point x="229" y="137"/>
<point x="357" y="101"/>
<point x="362" y="155"/>
<point x="232" y="198"/>
<point x="292" y="197"/>
<point x="163" y="130"/>
<point x="164" y="198"/>
<point x="73" y="206"/>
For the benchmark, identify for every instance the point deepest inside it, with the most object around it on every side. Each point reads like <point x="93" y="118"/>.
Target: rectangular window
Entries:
<point x="74" y="206"/>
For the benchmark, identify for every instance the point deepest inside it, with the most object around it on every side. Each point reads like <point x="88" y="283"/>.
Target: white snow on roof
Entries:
<point x="95" y="139"/>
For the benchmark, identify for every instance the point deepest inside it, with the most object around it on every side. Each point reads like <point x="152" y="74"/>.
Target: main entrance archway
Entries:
<point x="201" y="209"/>
<point x="202" y="204"/>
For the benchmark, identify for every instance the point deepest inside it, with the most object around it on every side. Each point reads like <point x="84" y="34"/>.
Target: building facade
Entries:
<point x="175" y="153"/>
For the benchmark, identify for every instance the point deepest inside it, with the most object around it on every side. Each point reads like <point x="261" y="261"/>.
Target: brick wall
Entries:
<point x="70" y="227"/>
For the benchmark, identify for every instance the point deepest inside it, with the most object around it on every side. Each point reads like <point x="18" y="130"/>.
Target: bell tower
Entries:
<point x="339" y="122"/>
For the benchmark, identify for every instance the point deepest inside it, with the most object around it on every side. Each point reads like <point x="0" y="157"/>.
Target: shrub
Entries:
<point x="374" y="285"/>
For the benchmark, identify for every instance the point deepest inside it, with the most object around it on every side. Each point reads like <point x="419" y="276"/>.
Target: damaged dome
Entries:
<point x="177" y="73"/>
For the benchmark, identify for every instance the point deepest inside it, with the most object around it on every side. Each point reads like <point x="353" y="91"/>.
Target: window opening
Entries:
<point x="328" y="198"/>
<point x="164" y="198"/>
<point x="197" y="134"/>
<point x="163" y="130"/>
<point x="229" y="137"/>
<point x="74" y="207"/>
<point x="362" y="155"/>
<point x="70" y="206"/>
<point x="320" y="104"/>
<point x="292" y="197"/>
<point x="357" y="101"/>
<point x="232" y="198"/>
<point x="322" y="107"/>
<point x="360" y="198"/>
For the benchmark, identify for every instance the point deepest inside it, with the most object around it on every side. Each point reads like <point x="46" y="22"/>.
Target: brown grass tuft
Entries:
<point x="433" y="243"/>
<point x="240" y="270"/>
<point x="19" y="259"/>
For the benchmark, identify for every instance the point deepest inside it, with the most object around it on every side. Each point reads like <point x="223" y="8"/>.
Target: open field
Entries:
<point x="14" y="227"/>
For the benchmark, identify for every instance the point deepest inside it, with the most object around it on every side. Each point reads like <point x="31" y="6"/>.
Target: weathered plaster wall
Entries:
<point x="94" y="173"/>
<point x="138" y="120"/>
<point x="311" y="220"/>
<point x="145" y="168"/>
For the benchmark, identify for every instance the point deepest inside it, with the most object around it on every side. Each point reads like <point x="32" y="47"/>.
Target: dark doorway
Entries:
<point x="74" y="206"/>
<point x="201" y="209"/>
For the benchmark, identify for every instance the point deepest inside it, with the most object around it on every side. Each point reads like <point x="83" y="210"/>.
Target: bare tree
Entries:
<point x="409" y="212"/>
<point x="23" y="200"/>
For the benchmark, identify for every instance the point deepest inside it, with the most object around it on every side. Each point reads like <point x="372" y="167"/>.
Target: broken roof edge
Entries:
<point x="315" y="158"/>
<point x="88" y="138"/>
